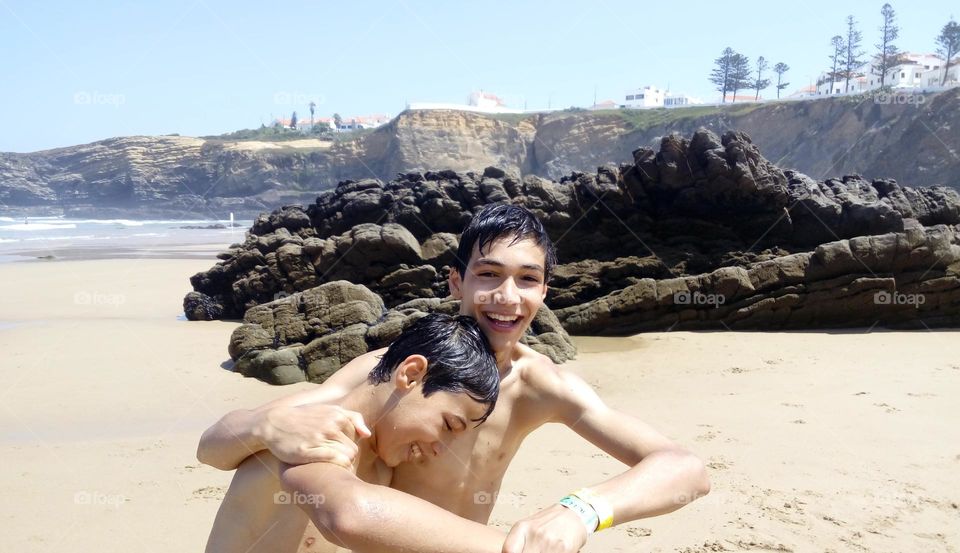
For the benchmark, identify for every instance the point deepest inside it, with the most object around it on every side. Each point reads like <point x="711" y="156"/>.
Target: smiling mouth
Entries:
<point x="503" y="322"/>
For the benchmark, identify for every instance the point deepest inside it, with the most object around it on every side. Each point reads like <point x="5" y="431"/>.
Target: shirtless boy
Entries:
<point x="503" y="265"/>
<point x="437" y="380"/>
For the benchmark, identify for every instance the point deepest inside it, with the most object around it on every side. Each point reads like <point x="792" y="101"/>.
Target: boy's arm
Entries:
<point x="365" y="517"/>
<point x="299" y="428"/>
<point x="662" y="476"/>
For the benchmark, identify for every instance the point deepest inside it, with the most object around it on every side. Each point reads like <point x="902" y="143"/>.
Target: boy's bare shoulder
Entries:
<point x="538" y="373"/>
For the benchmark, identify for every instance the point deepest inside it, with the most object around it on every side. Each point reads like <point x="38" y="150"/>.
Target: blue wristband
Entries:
<point x="583" y="510"/>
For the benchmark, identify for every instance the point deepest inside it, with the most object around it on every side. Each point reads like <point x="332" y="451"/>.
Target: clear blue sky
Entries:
<point x="75" y="72"/>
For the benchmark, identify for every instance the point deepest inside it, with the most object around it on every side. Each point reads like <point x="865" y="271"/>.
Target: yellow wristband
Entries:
<point x="600" y="505"/>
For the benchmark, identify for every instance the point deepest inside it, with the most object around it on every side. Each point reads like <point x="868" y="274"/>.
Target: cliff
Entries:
<point x="910" y="142"/>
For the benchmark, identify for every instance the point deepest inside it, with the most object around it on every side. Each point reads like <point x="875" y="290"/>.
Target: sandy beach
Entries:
<point x="815" y="441"/>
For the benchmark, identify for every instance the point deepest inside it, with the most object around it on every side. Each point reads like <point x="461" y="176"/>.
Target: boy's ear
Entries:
<point x="454" y="283"/>
<point x="410" y="372"/>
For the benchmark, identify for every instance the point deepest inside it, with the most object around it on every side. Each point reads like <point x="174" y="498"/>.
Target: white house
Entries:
<point x="346" y="123"/>
<point x="479" y="101"/>
<point x="917" y="71"/>
<point x="646" y="97"/>
<point x="653" y="97"/>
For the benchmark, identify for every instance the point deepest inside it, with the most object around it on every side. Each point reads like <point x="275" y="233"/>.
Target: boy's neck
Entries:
<point x="365" y="400"/>
<point x="506" y="357"/>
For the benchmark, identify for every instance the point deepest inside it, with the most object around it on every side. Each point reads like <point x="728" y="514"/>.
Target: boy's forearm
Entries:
<point x="232" y="439"/>
<point x="661" y="483"/>
<point x="376" y="519"/>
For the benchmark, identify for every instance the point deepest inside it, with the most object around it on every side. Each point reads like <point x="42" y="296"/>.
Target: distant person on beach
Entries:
<point x="503" y="264"/>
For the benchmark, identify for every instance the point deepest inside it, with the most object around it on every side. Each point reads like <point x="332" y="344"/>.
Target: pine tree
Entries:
<point x="760" y="83"/>
<point x="888" y="55"/>
<point x="948" y="46"/>
<point x="720" y="76"/>
<point x="780" y="69"/>
<point x="740" y="74"/>
<point x="853" y="61"/>
<point x="837" y="58"/>
<point x="293" y="120"/>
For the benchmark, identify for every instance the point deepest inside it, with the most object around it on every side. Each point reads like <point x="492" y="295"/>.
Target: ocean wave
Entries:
<point x="83" y="237"/>
<point x="37" y="226"/>
<point x="150" y="234"/>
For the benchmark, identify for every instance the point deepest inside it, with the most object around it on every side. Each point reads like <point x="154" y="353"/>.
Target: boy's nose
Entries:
<point x="507" y="293"/>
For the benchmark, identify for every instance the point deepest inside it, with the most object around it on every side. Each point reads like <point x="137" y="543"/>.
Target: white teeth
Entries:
<point x="505" y="318"/>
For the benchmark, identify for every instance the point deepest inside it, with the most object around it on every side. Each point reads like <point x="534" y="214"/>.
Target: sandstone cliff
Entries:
<point x="908" y="142"/>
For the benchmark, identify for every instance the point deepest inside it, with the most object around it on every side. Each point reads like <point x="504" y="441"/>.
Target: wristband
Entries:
<point x="583" y="510"/>
<point x="600" y="506"/>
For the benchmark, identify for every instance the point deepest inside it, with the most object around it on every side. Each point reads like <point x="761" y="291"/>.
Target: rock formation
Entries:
<point x="704" y="233"/>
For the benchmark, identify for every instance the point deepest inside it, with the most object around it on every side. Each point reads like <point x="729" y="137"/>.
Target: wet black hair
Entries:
<point x="497" y="221"/>
<point x="459" y="358"/>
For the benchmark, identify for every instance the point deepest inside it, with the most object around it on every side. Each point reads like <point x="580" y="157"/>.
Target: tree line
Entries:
<point x="733" y="71"/>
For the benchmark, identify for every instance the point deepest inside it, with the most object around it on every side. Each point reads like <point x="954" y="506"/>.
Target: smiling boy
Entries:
<point x="504" y="262"/>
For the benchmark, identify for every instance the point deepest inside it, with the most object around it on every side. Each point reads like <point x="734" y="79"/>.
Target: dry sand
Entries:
<point x="816" y="441"/>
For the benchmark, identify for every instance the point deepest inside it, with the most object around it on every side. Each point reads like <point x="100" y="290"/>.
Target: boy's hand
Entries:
<point x="313" y="432"/>
<point x="555" y="529"/>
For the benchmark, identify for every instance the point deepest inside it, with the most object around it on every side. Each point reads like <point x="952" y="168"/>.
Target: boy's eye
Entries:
<point x="447" y="425"/>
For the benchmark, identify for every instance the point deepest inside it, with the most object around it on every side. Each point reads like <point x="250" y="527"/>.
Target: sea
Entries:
<point x="51" y="238"/>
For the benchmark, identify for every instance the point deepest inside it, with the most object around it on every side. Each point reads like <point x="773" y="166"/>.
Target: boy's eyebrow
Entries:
<point x="488" y="261"/>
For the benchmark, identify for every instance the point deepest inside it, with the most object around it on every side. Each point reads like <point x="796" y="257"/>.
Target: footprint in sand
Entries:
<point x="792" y="404"/>
<point x="889" y="408"/>
<point x="799" y="421"/>
<point x="719" y="463"/>
<point x="210" y="492"/>
<point x="706" y="437"/>
<point x="635" y="532"/>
